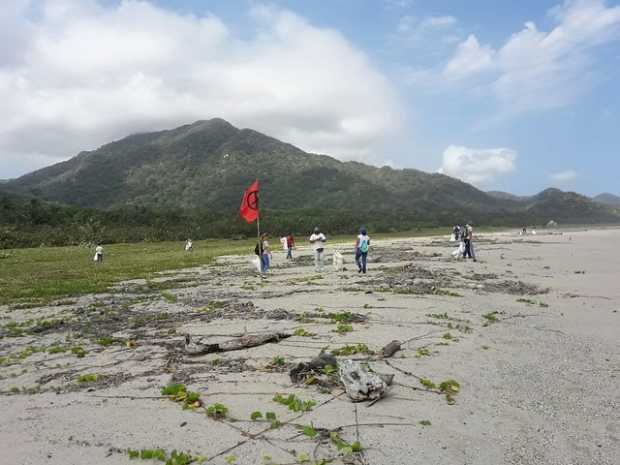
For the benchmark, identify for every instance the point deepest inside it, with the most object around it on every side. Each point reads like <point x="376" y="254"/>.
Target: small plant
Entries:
<point x="217" y="411"/>
<point x="256" y="416"/>
<point x="271" y="417"/>
<point x="425" y="422"/>
<point x="78" y="351"/>
<point x="427" y="383"/>
<point x="302" y="457"/>
<point x="56" y="349"/>
<point x="343" y="328"/>
<point x="295" y="403"/>
<point x="485" y="347"/>
<point x="329" y="369"/>
<point x="490" y="318"/>
<point x="352" y="350"/>
<point x="175" y="458"/>
<point x="278" y="361"/>
<point x="309" y="431"/>
<point x="169" y="297"/>
<point x="179" y="393"/>
<point x="106" y="341"/>
<point x="231" y="459"/>
<point x="438" y="316"/>
<point x="301" y="332"/>
<point x="422" y="352"/>
<point x="450" y="388"/>
<point x="448" y="337"/>
<point x="343" y="446"/>
<point x="89" y="378"/>
<point x="342" y="317"/>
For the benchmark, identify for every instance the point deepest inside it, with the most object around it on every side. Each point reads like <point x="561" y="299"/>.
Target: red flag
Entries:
<point x="249" y="204"/>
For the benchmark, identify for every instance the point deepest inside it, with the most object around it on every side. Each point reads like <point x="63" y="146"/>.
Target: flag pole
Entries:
<point x="260" y="246"/>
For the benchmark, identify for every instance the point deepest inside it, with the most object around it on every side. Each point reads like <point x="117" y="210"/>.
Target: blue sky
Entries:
<point x="515" y="96"/>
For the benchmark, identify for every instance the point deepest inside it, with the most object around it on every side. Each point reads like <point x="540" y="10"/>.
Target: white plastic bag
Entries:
<point x="257" y="264"/>
<point x="338" y="261"/>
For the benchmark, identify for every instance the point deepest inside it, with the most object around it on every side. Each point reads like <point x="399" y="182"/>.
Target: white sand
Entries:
<point x="539" y="386"/>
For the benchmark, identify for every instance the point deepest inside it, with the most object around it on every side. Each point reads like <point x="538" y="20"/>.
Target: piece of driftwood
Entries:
<point x="304" y="370"/>
<point x="239" y="343"/>
<point x="390" y="349"/>
<point x="359" y="383"/>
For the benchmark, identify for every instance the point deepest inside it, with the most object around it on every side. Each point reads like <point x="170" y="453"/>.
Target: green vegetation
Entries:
<point x="79" y="351"/>
<point x="269" y="416"/>
<point x="179" y="393"/>
<point x="294" y="403"/>
<point x="342" y="317"/>
<point x="169" y="297"/>
<point x="48" y="273"/>
<point x="107" y="341"/>
<point x="422" y="352"/>
<point x="425" y="422"/>
<point x="342" y="328"/>
<point x="450" y="388"/>
<point x="352" y="350"/>
<point x="89" y="378"/>
<point x="174" y="458"/>
<point x="490" y="318"/>
<point x="277" y="361"/>
<point x="217" y="410"/>
<point x="344" y="447"/>
<point x="427" y="383"/>
<point x="301" y="332"/>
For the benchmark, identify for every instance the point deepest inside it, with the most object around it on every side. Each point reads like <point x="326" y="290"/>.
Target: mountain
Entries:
<point x="507" y="196"/>
<point x="610" y="200"/>
<point x="208" y="164"/>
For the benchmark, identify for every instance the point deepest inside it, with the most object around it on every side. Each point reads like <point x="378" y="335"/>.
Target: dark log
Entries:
<point x="390" y="349"/>
<point x="240" y="343"/>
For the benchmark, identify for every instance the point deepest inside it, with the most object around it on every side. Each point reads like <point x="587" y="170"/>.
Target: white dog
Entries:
<point x="338" y="261"/>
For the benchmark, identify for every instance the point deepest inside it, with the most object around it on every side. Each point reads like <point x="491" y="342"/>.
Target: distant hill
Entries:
<point x="608" y="199"/>
<point x="208" y="164"/>
<point x="507" y="196"/>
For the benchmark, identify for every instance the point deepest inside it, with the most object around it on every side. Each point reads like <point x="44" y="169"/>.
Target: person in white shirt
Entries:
<point x="189" y="245"/>
<point x="318" y="239"/>
<point x="98" y="254"/>
<point x="361" y="250"/>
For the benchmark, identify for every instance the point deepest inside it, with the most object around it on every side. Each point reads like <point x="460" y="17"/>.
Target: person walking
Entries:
<point x="317" y="240"/>
<point x="265" y="253"/>
<point x="468" y="237"/>
<point x="361" y="250"/>
<point x="189" y="245"/>
<point x="290" y="243"/>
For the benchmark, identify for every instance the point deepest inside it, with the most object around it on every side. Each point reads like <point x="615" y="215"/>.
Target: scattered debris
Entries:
<point x="243" y="342"/>
<point x="360" y="383"/>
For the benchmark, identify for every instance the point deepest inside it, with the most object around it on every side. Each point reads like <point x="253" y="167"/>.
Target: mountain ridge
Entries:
<point x="208" y="164"/>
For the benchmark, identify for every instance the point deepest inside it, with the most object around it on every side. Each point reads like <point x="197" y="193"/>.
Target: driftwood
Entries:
<point x="359" y="383"/>
<point x="390" y="349"/>
<point x="304" y="370"/>
<point x="243" y="342"/>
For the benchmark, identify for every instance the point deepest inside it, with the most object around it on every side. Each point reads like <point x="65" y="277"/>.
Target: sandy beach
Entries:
<point x="531" y="333"/>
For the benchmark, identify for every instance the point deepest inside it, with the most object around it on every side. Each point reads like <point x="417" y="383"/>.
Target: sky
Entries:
<point x="512" y="96"/>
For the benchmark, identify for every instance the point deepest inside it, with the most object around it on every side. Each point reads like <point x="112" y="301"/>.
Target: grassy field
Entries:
<point x="46" y="273"/>
<point x="50" y="272"/>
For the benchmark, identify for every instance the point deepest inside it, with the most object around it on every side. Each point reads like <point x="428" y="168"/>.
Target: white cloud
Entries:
<point x="563" y="177"/>
<point x="477" y="166"/>
<point x="470" y="58"/>
<point x="75" y="74"/>
<point x="534" y="69"/>
<point x="429" y="35"/>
